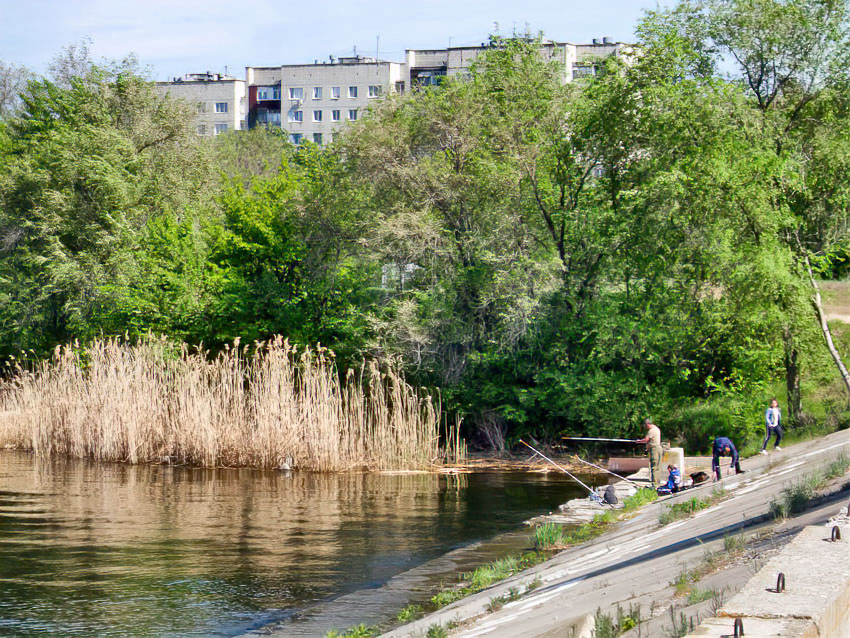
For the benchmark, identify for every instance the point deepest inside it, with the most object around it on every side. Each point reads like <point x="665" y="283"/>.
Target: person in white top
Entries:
<point x="772" y="425"/>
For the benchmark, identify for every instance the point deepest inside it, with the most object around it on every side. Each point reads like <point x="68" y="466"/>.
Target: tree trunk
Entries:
<point x="824" y="326"/>
<point x="792" y="377"/>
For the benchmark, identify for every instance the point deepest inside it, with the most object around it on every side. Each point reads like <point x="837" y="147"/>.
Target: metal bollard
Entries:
<point x="836" y="533"/>
<point x="780" y="583"/>
<point x="738" y="628"/>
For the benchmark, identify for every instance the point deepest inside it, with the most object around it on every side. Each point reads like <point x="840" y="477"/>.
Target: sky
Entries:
<point x="175" y="37"/>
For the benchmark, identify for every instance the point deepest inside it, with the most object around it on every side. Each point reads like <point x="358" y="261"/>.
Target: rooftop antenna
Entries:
<point x="355" y="50"/>
<point x="225" y="70"/>
<point x="450" y="42"/>
<point x="377" y="47"/>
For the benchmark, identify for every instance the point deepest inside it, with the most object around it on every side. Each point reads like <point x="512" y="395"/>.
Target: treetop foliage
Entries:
<point x="555" y="257"/>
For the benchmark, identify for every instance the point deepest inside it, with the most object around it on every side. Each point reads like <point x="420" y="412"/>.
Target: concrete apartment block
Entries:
<point x="220" y="100"/>
<point x="426" y="66"/>
<point x="312" y="101"/>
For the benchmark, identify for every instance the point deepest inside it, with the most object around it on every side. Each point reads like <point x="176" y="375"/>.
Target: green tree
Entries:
<point x="792" y="59"/>
<point x="87" y="169"/>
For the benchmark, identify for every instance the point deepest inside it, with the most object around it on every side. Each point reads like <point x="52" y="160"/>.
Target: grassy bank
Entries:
<point x="268" y="406"/>
<point x="554" y="536"/>
<point x="796" y="498"/>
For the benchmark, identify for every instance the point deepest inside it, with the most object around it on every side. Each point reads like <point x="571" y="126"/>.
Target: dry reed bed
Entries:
<point x="258" y="407"/>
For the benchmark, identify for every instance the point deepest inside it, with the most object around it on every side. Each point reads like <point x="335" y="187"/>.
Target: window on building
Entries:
<point x="352" y="91"/>
<point x="202" y="129"/>
<point x="317" y="93"/>
<point x="334" y="92"/>
<point x="295" y="138"/>
<point x="583" y="70"/>
<point x="399" y="87"/>
<point x="352" y="114"/>
<point x="317" y="138"/>
<point x="268" y="93"/>
<point x="296" y="116"/>
<point x="296" y="93"/>
<point x="202" y="108"/>
<point x="335" y="115"/>
<point x="374" y="90"/>
<point x="221" y="107"/>
<point x="220" y="128"/>
<point x="317" y="116"/>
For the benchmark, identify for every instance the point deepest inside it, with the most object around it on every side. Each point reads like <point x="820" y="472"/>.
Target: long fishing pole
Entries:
<point x="599" y="467"/>
<point x="577" y="480"/>
<point x="586" y="438"/>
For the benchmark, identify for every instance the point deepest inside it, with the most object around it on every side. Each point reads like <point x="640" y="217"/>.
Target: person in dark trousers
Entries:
<point x="772" y="425"/>
<point x="724" y="447"/>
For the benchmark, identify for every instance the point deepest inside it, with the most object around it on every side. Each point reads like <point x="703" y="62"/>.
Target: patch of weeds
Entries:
<point x="437" y="631"/>
<point x="689" y="507"/>
<point x="795" y="499"/>
<point x="534" y="584"/>
<point x="681" y="626"/>
<point x="448" y="596"/>
<point x="554" y="536"/>
<point x="734" y="544"/>
<point x="497" y="603"/>
<point x="640" y="498"/>
<point x="410" y="612"/>
<point x="716" y="601"/>
<point x="611" y="626"/>
<point x="486" y="575"/>
<point x="837" y="468"/>
<point x="360" y="631"/>
<point x="684" y="581"/>
<point x="698" y="595"/>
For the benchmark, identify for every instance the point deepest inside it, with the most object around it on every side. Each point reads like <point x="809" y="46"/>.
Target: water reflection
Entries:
<point x="115" y="550"/>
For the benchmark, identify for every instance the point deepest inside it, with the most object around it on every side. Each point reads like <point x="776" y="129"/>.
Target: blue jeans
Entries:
<point x="771" y="430"/>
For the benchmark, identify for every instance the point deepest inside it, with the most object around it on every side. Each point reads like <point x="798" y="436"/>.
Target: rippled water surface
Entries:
<point x="92" y="549"/>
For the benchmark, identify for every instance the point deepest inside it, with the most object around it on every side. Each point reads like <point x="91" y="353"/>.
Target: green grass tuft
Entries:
<point x="410" y="612"/>
<point x="437" y="631"/>
<point x="689" y="507"/>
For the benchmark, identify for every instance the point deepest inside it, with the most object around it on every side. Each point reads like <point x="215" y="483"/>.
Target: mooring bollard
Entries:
<point x="780" y="583"/>
<point x="836" y="533"/>
<point x="738" y="628"/>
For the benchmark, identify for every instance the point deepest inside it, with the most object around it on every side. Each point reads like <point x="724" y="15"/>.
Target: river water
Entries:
<point x="90" y="549"/>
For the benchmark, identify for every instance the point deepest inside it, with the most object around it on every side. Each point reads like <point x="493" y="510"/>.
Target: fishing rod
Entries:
<point x="599" y="467"/>
<point x="585" y="438"/>
<point x="577" y="480"/>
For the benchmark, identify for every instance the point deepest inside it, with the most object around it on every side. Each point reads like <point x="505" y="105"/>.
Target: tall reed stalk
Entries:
<point x="258" y="407"/>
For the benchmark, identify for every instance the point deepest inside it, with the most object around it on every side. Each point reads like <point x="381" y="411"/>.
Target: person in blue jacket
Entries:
<point x="674" y="481"/>
<point x="724" y="447"/>
<point x="772" y="425"/>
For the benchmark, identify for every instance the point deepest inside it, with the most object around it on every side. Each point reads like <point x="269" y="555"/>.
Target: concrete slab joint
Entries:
<point x="803" y="591"/>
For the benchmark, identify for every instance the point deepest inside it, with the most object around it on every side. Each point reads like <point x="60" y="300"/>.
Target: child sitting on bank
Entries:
<point x="674" y="481"/>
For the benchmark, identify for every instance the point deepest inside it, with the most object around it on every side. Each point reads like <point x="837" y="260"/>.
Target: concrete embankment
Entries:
<point x="803" y="592"/>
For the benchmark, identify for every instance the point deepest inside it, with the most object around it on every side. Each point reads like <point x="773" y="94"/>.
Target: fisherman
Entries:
<point x="653" y="450"/>
<point x="724" y="447"/>
<point x="674" y="481"/>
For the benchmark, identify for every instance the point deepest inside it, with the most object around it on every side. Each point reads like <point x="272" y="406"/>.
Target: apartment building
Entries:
<point x="427" y="67"/>
<point x="312" y="101"/>
<point x="220" y="100"/>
